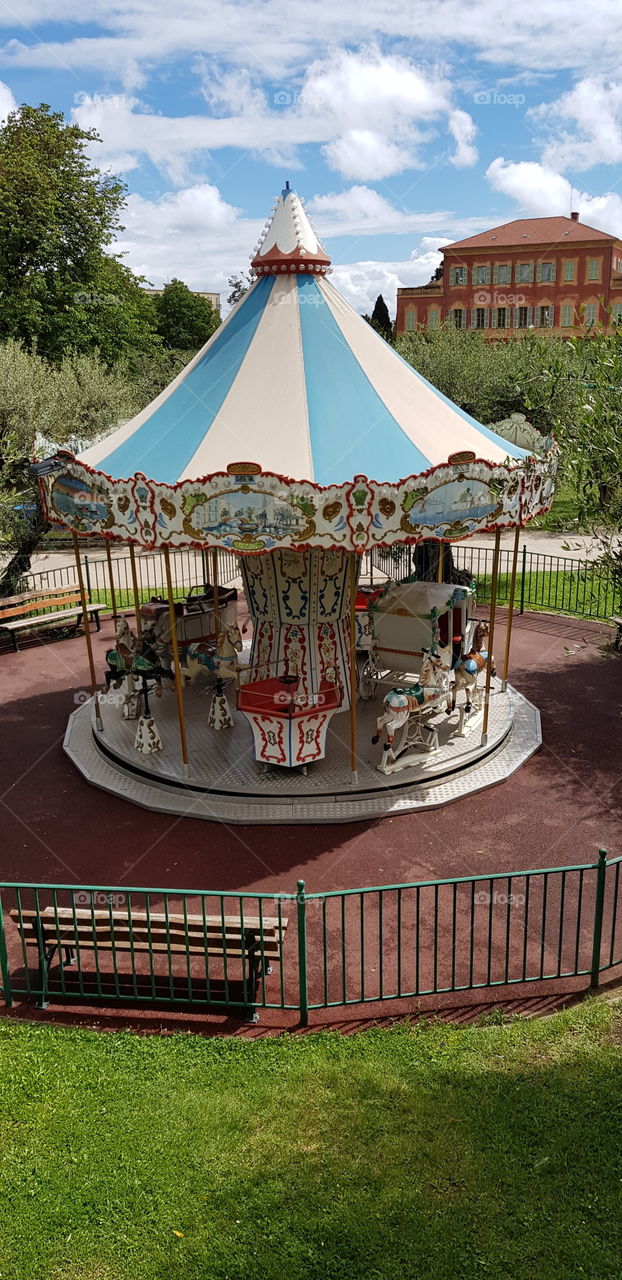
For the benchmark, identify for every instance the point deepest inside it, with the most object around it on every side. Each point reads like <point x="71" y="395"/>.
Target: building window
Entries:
<point x="593" y="268"/>
<point x="568" y="271"/>
<point x="546" y="272"/>
<point x="410" y="319"/>
<point x="501" y="318"/>
<point x="544" y="317"/>
<point x="481" y="275"/>
<point x="503" y="273"/>
<point x="479" y="318"/>
<point x="523" y="317"/>
<point x="616" y="313"/>
<point x="458" y="275"/>
<point x="589" y="313"/>
<point x="524" y="272"/>
<point x="433" y="318"/>
<point x="567" y="316"/>
<point x="457" y="317"/>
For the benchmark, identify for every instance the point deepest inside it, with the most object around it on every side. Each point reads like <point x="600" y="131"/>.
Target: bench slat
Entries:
<point x="38" y="595"/>
<point x="21" y="623"/>
<point x="150" y="935"/>
<point x="84" y="913"/>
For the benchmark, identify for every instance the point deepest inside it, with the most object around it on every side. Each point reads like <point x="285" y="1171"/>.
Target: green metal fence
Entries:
<point x="345" y="947"/>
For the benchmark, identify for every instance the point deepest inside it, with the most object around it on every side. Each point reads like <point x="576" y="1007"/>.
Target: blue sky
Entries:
<point x="404" y="125"/>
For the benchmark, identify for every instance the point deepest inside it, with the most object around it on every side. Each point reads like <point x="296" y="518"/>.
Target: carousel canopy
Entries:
<point x="296" y="426"/>
<point x="300" y="384"/>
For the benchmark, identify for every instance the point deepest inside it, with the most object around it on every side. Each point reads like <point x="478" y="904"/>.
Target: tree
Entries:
<point x="437" y="275"/>
<point x="184" y="319"/>
<point x="68" y="404"/>
<point x="380" y="319"/>
<point x="239" y="285"/>
<point x="57" y="215"/>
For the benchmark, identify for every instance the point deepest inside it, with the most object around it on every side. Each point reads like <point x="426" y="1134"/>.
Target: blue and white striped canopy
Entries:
<point x="294" y="380"/>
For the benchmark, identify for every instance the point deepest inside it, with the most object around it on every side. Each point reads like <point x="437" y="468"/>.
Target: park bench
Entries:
<point x="252" y="944"/>
<point x="617" y="623"/>
<point x="63" y="602"/>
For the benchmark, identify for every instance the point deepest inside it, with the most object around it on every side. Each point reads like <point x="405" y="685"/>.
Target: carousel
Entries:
<point x="320" y="684"/>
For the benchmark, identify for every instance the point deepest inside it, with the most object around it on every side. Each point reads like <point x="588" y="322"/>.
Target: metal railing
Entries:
<point x="553" y="584"/>
<point x="189" y="568"/>
<point x="345" y="947"/>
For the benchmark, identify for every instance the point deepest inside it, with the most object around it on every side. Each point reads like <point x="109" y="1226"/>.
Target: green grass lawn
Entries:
<point x="406" y="1154"/>
<point x="564" y="514"/>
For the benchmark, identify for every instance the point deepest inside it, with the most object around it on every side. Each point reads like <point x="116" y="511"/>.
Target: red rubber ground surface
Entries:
<point x="557" y="810"/>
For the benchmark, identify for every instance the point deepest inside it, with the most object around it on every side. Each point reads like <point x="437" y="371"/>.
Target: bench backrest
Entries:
<point x="153" y="931"/>
<point x="53" y="599"/>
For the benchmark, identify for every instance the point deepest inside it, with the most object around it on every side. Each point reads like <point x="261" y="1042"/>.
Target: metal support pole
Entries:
<point x="508" y="634"/>
<point x="113" y="594"/>
<point x="354" y="777"/>
<point x="303" y="991"/>
<point x="86" y="622"/>
<point x="137" y="618"/>
<point x="89" y="593"/>
<point x="597" y="931"/>
<point x="491" y="635"/>
<point x="216" y="591"/>
<point x="172" y="623"/>
<point x="440" y="566"/>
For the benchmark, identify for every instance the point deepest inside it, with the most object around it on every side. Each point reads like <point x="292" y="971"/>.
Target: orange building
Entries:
<point x="545" y="273"/>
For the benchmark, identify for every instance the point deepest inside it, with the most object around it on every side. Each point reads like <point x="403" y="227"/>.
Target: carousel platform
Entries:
<point x="226" y="784"/>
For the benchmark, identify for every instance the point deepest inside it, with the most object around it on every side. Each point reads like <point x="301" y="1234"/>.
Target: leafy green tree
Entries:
<point x="57" y="215"/>
<point x="184" y="319"/>
<point x="239" y="285"/>
<point x="64" y="405"/>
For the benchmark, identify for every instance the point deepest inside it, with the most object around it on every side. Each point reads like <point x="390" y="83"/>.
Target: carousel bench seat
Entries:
<point x="16" y="611"/>
<point x="253" y="945"/>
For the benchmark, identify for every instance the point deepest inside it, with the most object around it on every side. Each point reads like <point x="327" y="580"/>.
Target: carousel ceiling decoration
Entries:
<point x="296" y="426"/>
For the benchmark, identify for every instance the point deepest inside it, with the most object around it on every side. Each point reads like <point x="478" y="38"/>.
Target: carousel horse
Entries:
<point x="468" y="668"/>
<point x="138" y="659"/>
<point x="431" y="689"/>
<point x="220" y="661"/>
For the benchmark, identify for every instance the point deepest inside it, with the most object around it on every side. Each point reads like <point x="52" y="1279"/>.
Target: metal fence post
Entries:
<point x="302" y="954"/>
<point x="522" y="578"/>
<point x="597" y="931"/>
<point x="87" y="568"/>
<point x="4" y="963"/>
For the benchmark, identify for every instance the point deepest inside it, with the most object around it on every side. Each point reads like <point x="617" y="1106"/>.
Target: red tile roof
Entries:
<point x="532" y="231"/>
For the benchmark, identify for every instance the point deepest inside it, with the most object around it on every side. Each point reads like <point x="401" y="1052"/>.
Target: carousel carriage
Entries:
<point x="409" y="618"/>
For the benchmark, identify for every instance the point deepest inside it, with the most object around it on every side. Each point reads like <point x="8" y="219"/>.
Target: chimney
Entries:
<point x="574" y="215"/>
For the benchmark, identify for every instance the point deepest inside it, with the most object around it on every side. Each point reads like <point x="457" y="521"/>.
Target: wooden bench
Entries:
<point x="253" y="945"/>
<point x="15" y="610"/>
<point x="617" y="623"/>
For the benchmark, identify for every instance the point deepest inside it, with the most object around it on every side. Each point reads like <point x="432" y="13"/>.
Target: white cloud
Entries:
<point x="583" y="127"/>
<point x="540" y="192"/>
<point x="361" y="282"/>
<point x="464" y="130"/>
<point x="7" y="101"/>
<point x="367" y="109"/>
<point x="362" y="211"/>
<point x="280" y="37"/>
<point x="361" y="153"/>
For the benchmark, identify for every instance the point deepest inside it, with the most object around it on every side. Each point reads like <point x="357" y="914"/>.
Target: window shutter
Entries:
<point x="529" y="316"/>
<point x="473" y="275"/>
<point x="488" y="275"/>
<point x="515" y="317"/>
<point x="493" y="317"/>
<point x="486" y="317"/>
<point x="539" y="273"/>
<point x="517" y="273"/>
<point x="551" y="317"/>
<point x="473" y="317"/>
<point x="495" y="275"/>
<point x="553" y="270"/>
<point x="531" y="272"/>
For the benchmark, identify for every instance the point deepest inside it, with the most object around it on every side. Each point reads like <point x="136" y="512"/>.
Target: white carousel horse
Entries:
<point x="468" y="668"/>
<point x="221" y="662"/>
<point x="430" y="691"/>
